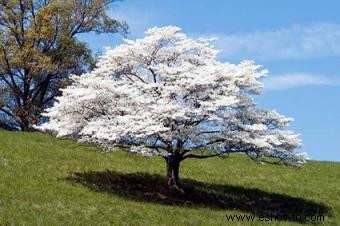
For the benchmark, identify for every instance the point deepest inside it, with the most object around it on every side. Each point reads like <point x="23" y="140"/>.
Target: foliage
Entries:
<point x="168" y="95"/>
<point x="39" y="50"/>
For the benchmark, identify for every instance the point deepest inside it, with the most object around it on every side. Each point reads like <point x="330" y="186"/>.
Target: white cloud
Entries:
<point x="287" y="81"/>
<point x="295" y="42"/>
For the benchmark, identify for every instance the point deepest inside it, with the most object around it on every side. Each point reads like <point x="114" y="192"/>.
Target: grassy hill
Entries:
<point x="47" y="181"/>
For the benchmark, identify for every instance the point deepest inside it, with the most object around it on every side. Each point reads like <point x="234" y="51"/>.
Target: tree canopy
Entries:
<point x="39" y="50"/>
<point x="169" y="95"/>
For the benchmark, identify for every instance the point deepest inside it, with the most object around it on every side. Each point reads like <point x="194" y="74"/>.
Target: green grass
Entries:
<point x="48" y="181"/>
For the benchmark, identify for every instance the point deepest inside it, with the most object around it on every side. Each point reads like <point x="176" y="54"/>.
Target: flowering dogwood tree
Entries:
<point x="168" y="95"/>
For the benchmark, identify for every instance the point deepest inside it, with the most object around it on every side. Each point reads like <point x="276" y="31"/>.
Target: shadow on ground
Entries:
<point x="152" y="188"/>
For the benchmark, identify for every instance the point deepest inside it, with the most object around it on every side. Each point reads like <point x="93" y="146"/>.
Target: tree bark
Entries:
<point x="24" y="124"/>
<point x="173" y="162"/>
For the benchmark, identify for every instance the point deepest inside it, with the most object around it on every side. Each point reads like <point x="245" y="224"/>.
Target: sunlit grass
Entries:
<point x="37" y="188"/>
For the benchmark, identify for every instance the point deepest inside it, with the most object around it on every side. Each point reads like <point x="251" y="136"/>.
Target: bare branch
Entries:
<point x="205" y="156"/>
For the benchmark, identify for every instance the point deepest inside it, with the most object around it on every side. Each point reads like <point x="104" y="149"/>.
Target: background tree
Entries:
<point x="39" y="50"/>
<point x="168" y="95"/>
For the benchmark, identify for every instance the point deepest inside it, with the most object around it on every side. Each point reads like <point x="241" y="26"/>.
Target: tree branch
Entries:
<point x="153" y="74"/>
<point x="204" y="156"/>
<point x="6" y="112"/>
<point x="210" y="142"/>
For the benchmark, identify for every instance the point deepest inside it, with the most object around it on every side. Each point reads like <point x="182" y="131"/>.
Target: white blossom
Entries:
<point x="169" y="93"/>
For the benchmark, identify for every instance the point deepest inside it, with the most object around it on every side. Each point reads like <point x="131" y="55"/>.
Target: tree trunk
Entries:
<point x="24" y="124"/>
<point x="173" y="162"/>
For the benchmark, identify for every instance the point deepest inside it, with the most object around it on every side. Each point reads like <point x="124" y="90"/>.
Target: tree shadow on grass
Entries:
<point x="152" y="188"/>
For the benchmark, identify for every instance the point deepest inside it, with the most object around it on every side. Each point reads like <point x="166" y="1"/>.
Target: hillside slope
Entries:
<point x="48" y="181"/>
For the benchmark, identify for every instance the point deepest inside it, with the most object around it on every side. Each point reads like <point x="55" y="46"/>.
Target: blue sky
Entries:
<point x="297" y="41"/>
